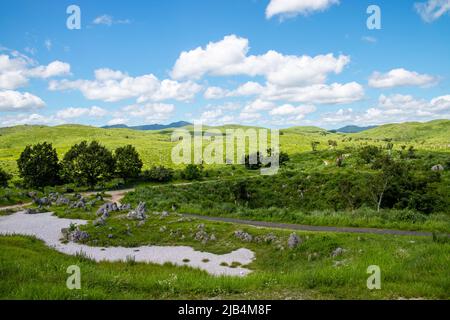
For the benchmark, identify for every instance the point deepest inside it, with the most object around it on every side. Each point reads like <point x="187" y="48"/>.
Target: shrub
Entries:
<point x="38" y="165"/>
<point x="192" y="172"/>
<point x="369" y="154"/>
<point x="87" y="164"/>
<point x="4" y="178"/>
<point x="128" y="162"/>
<point x="158" y="174"/>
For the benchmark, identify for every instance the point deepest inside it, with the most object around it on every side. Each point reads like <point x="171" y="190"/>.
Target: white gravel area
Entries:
<point x="47" y="227"/>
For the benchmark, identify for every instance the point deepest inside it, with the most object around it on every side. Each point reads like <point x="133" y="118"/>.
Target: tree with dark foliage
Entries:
<point x="38" y="165"/>
<point x="87" y="164"/>
<point x="128" y="162"/>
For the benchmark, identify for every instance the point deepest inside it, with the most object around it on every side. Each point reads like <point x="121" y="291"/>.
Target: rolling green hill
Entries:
<point x="437" y="131"/>
<point x="155" y="146"/>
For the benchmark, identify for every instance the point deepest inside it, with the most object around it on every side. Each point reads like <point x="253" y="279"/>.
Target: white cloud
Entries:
<point x="17" y="101"/>
<point x="258" y="105"/>
<point x="394" y="108"/>
<point x="229" y="57"/>
<point x="117" y="121"/>
<point x="108" y="20"/>
<point x="53" y="69"/>
<point x="289" y="109"/>
<point x="291" y="8"/>
<point x="72" y="113"/>
<point x="432" y="9"/>
<point x="400" y="77"/>
<point x="111" y="86"/>
<point x="334" y="93"/>
<point x="21" y="119"/>
<point x="16" y="70"/>
<point x="149" y="112"/>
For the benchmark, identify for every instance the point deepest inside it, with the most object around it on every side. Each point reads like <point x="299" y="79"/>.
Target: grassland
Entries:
<point x="412" y="267"/>
<point x="155" y="146"/>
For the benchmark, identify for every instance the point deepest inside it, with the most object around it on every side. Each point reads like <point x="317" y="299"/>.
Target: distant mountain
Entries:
<point x="354" y="129"/>
<point x="178" y="124"/>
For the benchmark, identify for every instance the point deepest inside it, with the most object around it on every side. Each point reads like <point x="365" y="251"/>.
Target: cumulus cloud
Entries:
<point x="229" y="57"/>
<point x="72" y="113"/>
<point x="400" y="77"/>
<point x="432" y="9"/>
<point x="23" y="118"/>
<point x="291" y="8"/>
<point x="247" y="89"/>
<point x="16" y="70"/>
<point x="16" y="101"/>
<point x="111" y="86"/>
<point x="394" y="108"/>
<point x="149" y="112"/>
<point x="335" y="93"/>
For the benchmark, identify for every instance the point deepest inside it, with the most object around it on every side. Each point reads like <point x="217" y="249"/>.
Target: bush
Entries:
<point x="158" y="174"/>
<point x="38" y="165"/>
<point x="87" y="164"/>
<point x="128" y="162"/>
<point x="4" y="178"/>
<point x="369" y="154"/>
<point x="192" y="172"/>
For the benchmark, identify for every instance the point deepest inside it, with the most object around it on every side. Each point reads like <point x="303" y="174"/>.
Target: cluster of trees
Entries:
<point x="85" y="164"/>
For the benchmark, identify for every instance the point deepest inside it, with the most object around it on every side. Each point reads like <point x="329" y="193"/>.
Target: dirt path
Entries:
<point x="290" y="226"/>
<point x="16" y="206"/>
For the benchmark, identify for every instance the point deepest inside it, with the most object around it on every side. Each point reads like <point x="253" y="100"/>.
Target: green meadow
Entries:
<point x="336" y="183"/>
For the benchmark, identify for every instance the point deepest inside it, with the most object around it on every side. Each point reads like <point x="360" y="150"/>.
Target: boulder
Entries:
<point x="437" y="167"/>
<point x="244" y="236"/>
<point x="77" y="236"/>
<point x="30" y="211"/>
<point x="337" y="252"/>
<point x="293" y="241"/>
<point x="138" y="213"/>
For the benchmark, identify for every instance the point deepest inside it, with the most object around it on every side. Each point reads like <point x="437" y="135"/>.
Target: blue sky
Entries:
<point x="276" y="63"/>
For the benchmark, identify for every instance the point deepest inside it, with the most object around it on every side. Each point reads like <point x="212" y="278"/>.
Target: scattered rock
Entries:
<point x="99" y="222"/>
<point x="110" y="236"/>
<point x="212" y="237"/>
<point x="164" y="214"/>
<point x="202" y="236"/>
<point x="77" y="236"/>
<point x="30" y="211"/>
<point x="437" y="167"/>
<point x="293" y="241"/>
<point x="32" y="194"/>
<point x="244" y="236"/>
<point x="139" y="212"/>
<point x="163" y="229"/>
<point x="337" y="252"/>
<point x="140" y="223"/>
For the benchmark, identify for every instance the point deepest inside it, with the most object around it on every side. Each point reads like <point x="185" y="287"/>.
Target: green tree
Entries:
<point x="87" y="164"/>
<point x="128" y="162"/>
<point x="369" y="154"/>
<point x="4" y="178"/>
<point x="38" y="165"/>
<point x="314" y="145"/>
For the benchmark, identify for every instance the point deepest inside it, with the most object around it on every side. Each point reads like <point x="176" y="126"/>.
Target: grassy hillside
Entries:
<point x="437" y="131"/>
<point x="155" y="146"/>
